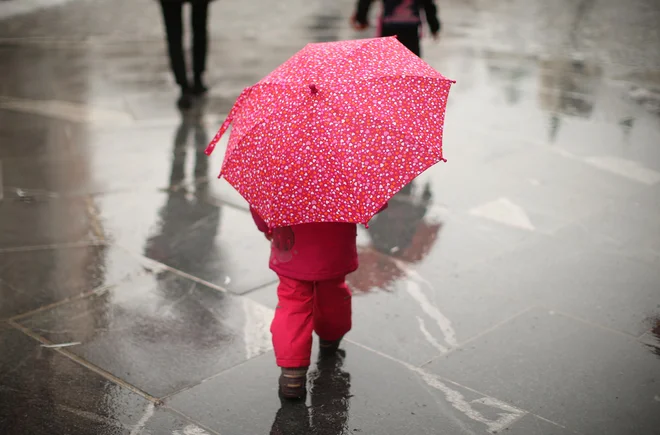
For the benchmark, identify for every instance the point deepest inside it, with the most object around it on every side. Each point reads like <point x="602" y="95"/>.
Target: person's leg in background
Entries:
<point x="332" y="313"/>
<point x="199" y="19"/>
<point x="172" y="16"/>
<point x="292" y="334"/>
<point x="409" y="36"/>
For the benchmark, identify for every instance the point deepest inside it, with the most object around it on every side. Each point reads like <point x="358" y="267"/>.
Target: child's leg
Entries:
<point x="292" y="325"/>
<point x="332" y="309"/>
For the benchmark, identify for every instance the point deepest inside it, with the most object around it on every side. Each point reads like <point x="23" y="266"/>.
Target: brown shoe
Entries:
<point x="293" y="382"/>
<point x="328" y="348"/>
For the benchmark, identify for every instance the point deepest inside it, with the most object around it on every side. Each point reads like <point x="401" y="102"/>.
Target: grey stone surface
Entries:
<point x="36" y="278"/>
<point x="530" y="424"/>
<point x="575" y="374"/>
<point x="158" y="331"/>
<point x="190" y="232"/>
<point x="356" y="391"/>
<point x="605" y="277"/>
<point x="549" y="202"/>
<point x="44" y="392"/>
<point x="30" y="220"/>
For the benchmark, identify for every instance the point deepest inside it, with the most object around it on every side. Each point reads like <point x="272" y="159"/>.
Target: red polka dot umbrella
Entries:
<point x="335" y="131"/>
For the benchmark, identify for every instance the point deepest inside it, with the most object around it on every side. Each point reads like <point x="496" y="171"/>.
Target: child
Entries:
<point x="400" y="18"/>
<point x="312" y="261"/>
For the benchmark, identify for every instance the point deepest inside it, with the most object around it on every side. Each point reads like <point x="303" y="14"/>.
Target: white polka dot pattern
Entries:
<point x="335" y="131"/>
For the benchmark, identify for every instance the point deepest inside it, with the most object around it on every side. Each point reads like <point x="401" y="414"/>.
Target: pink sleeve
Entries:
<point x="261" y="225"/>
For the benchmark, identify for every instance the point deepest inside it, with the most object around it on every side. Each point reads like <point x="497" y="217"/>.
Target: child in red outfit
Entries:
<point x="312" y="261"/>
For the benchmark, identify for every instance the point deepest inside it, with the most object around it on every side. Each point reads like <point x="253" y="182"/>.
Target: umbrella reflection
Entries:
<point x="330" y="402"/>
<point x="401" y="232"/>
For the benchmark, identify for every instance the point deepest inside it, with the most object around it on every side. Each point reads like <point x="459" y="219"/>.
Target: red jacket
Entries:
<point x="312" y="252"/>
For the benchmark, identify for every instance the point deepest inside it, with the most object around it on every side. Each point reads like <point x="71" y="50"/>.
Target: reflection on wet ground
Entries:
<point x="402" y="232"/>
<point x="329" y="389"/>
<point x="514" y="289"/>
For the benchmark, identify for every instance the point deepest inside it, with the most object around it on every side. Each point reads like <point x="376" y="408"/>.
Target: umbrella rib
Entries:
<point x="415" y="76"/>
<point x="261" y="120"/>
<point x="354" y="52"/>
<point x="385" y="121"/>
<point x="366" y="43"/>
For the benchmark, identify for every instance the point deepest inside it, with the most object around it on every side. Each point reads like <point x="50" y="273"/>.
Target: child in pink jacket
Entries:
<point x="312" y="261"/>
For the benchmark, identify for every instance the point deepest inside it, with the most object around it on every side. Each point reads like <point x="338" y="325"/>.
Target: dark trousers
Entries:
<point x="173" y="17"/>
<point x="407" y="35"/>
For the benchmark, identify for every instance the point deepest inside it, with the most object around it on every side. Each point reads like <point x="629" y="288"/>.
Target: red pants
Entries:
<point x="321" y="306"/>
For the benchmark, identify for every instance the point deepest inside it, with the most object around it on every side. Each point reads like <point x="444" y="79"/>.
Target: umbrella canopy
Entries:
<point x="335" y="131"/>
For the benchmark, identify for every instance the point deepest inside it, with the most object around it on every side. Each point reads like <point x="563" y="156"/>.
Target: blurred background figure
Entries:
<point x="400" y="18"/>
<point x="173" y="19"/>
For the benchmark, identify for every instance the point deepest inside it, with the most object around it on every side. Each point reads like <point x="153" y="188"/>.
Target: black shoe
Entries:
<point x="328" y="348"/>
<point x="198" y="86"/>
<point x="199" y="89"/>
<point x="185" y="100"/>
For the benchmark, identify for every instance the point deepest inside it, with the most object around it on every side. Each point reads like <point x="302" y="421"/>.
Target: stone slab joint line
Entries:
<point x="96" y="291"/>
<point x="68" y="111"/>
<point x="75" y="358"/>
<point x="444" y="323"/>
<point x="164" y="267"/>
<point x="170" y="395"/>
<point x="188" y="430"/>
<point x="90" y="243"/>
<point x="481" y="334"/>
<point x="592" y="324"/>
<point x="510" y="413"/>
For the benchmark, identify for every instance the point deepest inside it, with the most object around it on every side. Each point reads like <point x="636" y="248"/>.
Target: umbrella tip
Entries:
<point x="313" y="89"/>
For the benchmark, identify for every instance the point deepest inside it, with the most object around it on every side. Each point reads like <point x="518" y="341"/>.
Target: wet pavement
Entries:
<point x="514" y="289"/>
